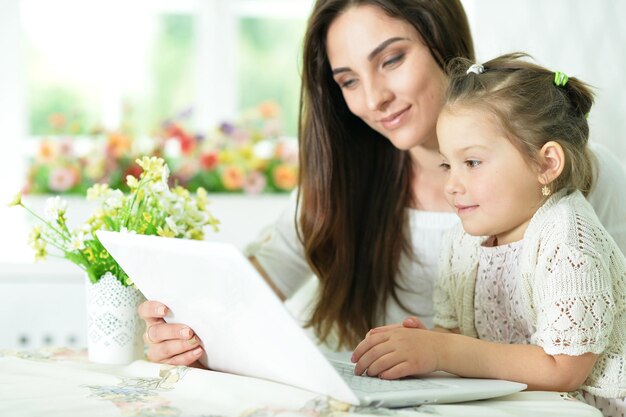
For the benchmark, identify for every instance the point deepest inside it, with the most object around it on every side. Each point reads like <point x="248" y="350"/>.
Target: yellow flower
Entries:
<point x="151" y="164"/>
<point x="165" y="232"/>
<point x="181" y="192"/>
<point x="90" y="255"/>
<point x="40" y="254"/>
<point x="202" y="199"/>
<point x="16" y="201"/>
<point x="39" y="245"/>
<point x="195" y="234"/>
<point x="226" y="157"/>
<point x="257" y="164"/>
<point x="246" y="152"/>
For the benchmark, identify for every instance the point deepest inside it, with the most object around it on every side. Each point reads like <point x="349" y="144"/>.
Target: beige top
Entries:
<point x="572" y="282"/>
<point x="499" y="311"/>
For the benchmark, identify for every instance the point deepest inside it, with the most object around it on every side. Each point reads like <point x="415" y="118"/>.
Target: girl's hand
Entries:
<point x="174" y="344"/>
<point x="411" y="322"/>
<point x="394" y="352"/>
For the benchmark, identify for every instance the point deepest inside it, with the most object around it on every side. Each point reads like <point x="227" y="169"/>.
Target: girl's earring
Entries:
<point x="545" y="190"/>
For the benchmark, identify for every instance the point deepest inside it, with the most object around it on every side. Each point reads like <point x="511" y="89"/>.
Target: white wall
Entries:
<point x="585" y="39"/>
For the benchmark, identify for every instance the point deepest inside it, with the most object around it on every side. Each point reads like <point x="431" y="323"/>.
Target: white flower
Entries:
<point x="124" y="229"/>
<point x="115" y="199"/>
<point x="97" y="191"/>
<point x="165" y="174"/>
<point x="132" y="182"/>
<point x="77" y="241"/>
<point x="158" y="187"/>
<point x="173" y="226"/>
<point x="35" y="234"/>
<point x="55" y="207"/>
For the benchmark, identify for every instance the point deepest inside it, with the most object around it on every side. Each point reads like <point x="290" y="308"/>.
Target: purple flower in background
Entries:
<point x="186" y="113"/>
<point x="227" y="128"/>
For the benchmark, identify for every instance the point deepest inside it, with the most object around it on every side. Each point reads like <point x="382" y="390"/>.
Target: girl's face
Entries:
<point x="387" y="75"/>
<point x="490" y="185"/>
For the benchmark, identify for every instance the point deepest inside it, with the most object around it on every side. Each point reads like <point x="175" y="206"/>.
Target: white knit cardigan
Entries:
<point x="573" y="283"/>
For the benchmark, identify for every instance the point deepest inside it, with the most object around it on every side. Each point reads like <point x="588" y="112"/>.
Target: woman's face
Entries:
<point x="387" y="75"/>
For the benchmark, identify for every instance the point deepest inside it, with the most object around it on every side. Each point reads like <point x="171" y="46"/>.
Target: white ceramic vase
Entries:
<point x="114" y="329"/>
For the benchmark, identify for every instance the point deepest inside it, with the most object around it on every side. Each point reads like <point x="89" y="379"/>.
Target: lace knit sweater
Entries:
<point x="573" y="282"/>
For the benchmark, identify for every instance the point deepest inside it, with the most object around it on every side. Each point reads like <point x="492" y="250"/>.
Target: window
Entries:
<point x="104" y="64"/>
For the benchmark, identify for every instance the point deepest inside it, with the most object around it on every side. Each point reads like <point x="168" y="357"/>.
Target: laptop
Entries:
<point x="246" y="329"/>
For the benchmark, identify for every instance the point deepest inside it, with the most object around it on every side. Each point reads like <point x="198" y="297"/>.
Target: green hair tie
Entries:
<point x="560" y="79"/>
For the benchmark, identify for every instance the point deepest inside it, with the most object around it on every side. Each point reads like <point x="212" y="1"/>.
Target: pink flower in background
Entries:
<point x="287" y="151"/>
<point x="240" y="137"/>
<point x="272" y="128"/>
<point x="66" y="147"/>
<point x="62" y="179"/>
<point x="255" y="182"/>
<point x="186" y="170"/>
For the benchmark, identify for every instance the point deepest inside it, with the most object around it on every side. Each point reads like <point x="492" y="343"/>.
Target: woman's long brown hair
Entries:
<point x="354" y="185"/>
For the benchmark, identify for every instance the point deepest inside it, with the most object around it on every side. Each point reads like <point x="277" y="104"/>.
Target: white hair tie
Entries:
<point x="476" y="69"/>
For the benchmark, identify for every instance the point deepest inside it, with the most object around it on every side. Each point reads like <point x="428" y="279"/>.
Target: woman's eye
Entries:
<point x="445" y="166"/>
<point x="347" y="83"/>
<point x="393" y="60"/>
<point x="472" y="163"/>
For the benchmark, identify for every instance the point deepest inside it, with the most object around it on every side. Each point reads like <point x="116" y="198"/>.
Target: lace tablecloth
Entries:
<point x="61" y="382"/>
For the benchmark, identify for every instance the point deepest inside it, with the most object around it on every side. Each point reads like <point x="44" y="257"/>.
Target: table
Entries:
<point x="62" y="382"/>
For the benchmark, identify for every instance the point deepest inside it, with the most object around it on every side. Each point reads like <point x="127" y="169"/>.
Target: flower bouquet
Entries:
<point x="150" y="208"/>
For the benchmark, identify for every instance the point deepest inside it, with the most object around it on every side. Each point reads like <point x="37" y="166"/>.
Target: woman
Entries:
<point x="370" y="211"/>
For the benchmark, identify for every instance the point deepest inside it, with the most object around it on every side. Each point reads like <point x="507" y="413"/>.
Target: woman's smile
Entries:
<point x="394" y="120"/>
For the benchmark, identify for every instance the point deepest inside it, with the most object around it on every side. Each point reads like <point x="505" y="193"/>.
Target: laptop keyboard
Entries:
<point x="372" y="384"/>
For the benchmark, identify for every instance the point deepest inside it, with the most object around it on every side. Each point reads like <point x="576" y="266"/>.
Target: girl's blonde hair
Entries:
<point x="531" y="109"/>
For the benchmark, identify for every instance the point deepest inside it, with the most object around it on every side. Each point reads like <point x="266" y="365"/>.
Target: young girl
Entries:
<point x="534" y="289"/>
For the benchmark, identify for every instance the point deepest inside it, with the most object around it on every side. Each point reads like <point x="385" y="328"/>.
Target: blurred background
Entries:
<point x="214" y="86"/>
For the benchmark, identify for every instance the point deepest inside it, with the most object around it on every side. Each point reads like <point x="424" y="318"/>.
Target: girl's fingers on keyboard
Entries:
<point x="381" y="364"/>
<point x="397" y="371"/>
<point x="366" y="344"/>
<point x="369" y="350"/>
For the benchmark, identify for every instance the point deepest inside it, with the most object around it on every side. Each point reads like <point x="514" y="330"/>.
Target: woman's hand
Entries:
<point x="174" y="344"/>
<point x="395" y="351"/>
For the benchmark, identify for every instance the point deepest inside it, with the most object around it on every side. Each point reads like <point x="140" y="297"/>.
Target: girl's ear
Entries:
<point x="552" y="162"/>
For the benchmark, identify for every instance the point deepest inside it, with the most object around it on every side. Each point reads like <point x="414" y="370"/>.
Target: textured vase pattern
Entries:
<point x="114" y="329"/>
